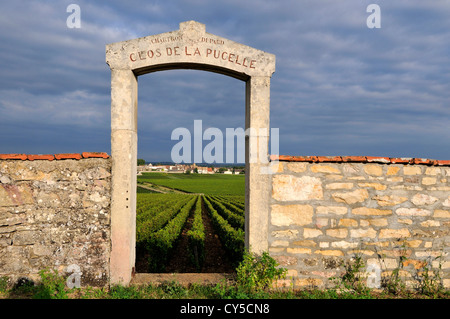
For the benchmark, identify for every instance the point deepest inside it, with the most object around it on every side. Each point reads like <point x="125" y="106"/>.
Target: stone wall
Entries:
<point x="54" y="213"/>
<point x="394" y="213"/>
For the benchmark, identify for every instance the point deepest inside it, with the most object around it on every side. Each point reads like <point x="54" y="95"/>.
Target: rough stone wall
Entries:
<point x="394" y="213"/>
<point x="55" y="212"/>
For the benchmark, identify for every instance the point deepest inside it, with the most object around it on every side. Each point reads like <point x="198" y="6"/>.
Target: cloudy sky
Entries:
<point x="340" y="88"/>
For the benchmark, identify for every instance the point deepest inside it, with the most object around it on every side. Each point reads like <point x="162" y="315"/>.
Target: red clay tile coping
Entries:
<point x="283" y="158"/>
<point x="51" y="157"/>
<point x="359" y="159"/>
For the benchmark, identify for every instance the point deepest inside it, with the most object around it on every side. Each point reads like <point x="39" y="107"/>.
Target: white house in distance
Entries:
<point x="206" y="170"/>
<point x="177" y="168"/>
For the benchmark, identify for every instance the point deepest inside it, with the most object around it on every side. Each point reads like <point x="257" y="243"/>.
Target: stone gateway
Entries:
<point x="190" y="47"/>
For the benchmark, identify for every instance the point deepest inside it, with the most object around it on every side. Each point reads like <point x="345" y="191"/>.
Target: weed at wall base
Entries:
<point x="354" y="278"/>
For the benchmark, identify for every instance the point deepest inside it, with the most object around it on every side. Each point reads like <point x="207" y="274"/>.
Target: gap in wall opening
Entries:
<point x="174" y="104"/>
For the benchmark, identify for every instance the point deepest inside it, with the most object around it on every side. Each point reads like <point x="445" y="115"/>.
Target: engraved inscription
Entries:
<point x="166" y="39"/>
<point x="209" y="40"/>
<point x="218" y="54"/>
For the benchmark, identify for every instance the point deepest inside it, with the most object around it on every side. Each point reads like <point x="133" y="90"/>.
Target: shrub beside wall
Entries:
<point x="393" y="213"/>
<point x="54" y="213"/>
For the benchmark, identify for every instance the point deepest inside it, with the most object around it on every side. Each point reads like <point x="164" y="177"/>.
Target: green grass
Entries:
<point x="255" y="274"/>
<point x="174" y="290"/>
<point x="209" y="184"/>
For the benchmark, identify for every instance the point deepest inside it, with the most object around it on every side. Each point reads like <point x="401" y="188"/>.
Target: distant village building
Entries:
<point x="144" y="168"/>
<point x="176" y="168"/>
<point x="206" y="170"/>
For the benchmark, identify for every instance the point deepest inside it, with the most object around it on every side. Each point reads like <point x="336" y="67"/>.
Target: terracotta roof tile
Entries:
<point x="443" y="163"/>
<point x="68" y="156"/>
<point x="40" y="157"/>
<point x="94" y="155"/>
<point x="13" y="156"/>
<point x="401" y="160"/>
<point x="51" y="157"/>
<point x="374" y="159"/>
<point x="322" y="159"/>
<point x="360" y="159"/>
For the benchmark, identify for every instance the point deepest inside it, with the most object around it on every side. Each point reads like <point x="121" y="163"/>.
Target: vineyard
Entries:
<point x="212" y="184"/>
<point x="180" y="232"/>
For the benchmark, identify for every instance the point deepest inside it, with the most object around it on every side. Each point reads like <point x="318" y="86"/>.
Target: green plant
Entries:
<point x="393" y="284"/>
<point x="173" y="289"/>
<point x="354" y="278"/>
<point x="231" y="238"/>
<point x="3" y="284"/>
<point x="92" y="293"/>
<point x="52" y="286"/>
<point x="258" y="272"/>
<point x="224" y="290"/>
<point x="236" y="220"/>
<point x="121" y="292"/>
<point x="255" y="275"/>
<point x="23" y="286"/>
<point x="430" y="282"/>
<point x="196" y="237"/>
<point x="161" y="243"/>
<point x="148" y="222"/>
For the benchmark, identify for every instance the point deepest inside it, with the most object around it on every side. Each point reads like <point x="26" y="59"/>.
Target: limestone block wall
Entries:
<point x="54" y="213"/>
<point x="394" y="213"/>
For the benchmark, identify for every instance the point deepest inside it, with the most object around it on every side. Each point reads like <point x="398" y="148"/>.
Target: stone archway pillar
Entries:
<point x="190" y="47"/>
<point x="257" y="182"/>
<point x="124" y="166"/>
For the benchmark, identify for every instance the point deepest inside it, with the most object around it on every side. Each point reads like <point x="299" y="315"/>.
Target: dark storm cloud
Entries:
<point x="339" y="88"/>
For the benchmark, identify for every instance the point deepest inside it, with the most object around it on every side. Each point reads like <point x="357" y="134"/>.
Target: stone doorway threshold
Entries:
<point x="182" y="278"/>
